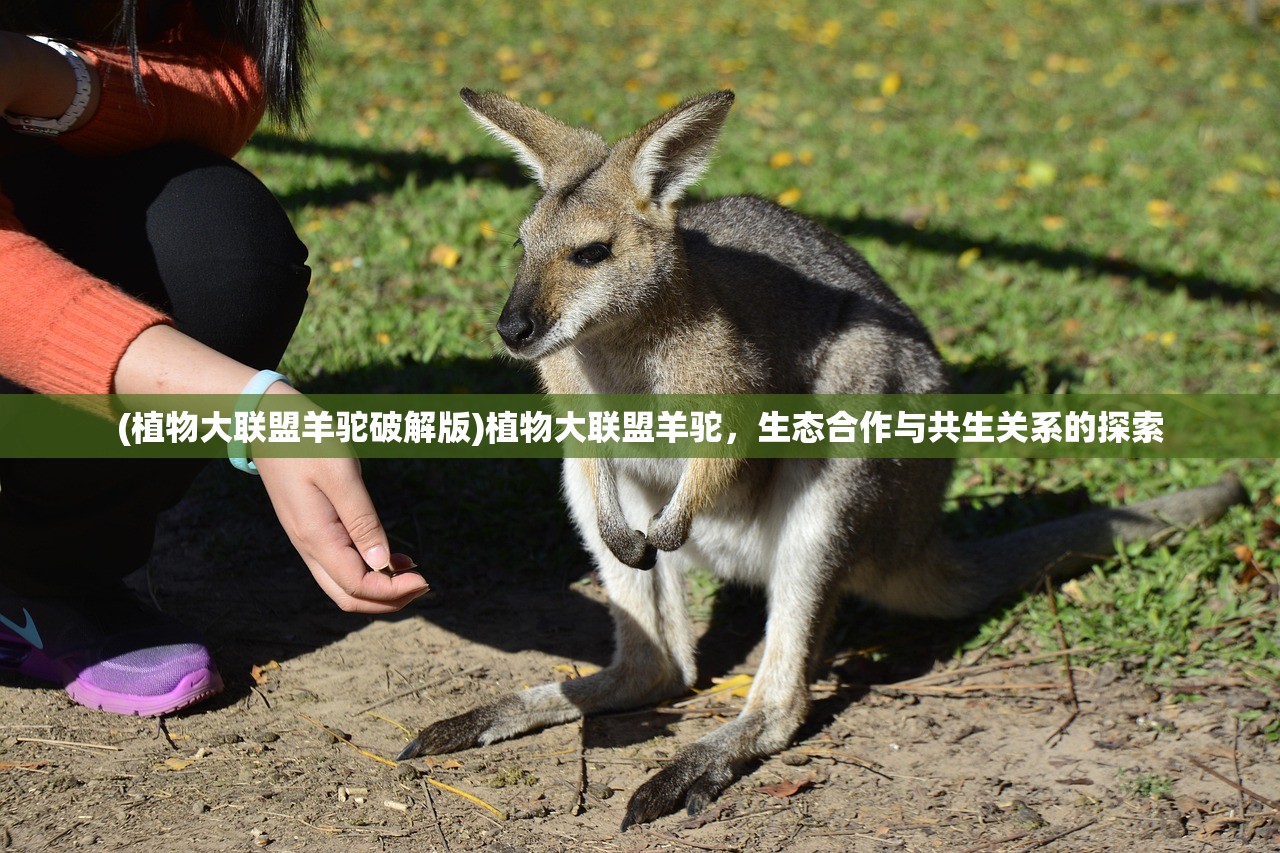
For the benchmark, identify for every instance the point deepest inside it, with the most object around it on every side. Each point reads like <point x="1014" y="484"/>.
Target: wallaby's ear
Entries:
<point x="552" y="150"/>
<point x="673" y="150"/>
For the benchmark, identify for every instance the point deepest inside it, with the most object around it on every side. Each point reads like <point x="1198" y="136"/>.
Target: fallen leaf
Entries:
<point x="259" y="671"/>
<point x="786" y="788"/>
<point x="576" y="670"/>
<point x="178" y="763"/>
<point x="445" y="256"/>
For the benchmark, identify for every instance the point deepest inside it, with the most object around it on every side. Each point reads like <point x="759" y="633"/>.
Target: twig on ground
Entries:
<point x="162" y="729"/>
<point x="849" y="758"/>
<point x="431" y="803"/>
<point x="1010" y="663"/>
<point x="70" y="744"/>
<point x="1266" y="801"/>
<point x="417" y="689"/>
<point x="1235" y="760"/>
<point x="1057" y="735"/>
<point x="580" y="802"/>
<point x="337" y="735"/>
<point x="472" y="797"/>
<point x="1040" y="842"/>
<point x="677" y="840"/>
<point x="964" y="689"/>
<point x="401" y="726"/>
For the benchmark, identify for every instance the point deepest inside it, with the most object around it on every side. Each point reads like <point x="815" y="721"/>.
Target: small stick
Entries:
<point x="340" y="736"/>
<point x="1057" y="735"/>
<point x="835" y="755"/>
<point x="162" y="729"/>
<point x="580" y="803"/>
<point x="1040" y="842"/>
<point x="431" y="803"/>
<point x="963" y="689"/>
<point x="395" y="723"/>
<point x="417" y="689"/>
<point x="472" y="797"/>
<point x="1235" y="759"/>
<point x="966" y="671"/>
<point x="676" y="840"/>
<point x="68" y="743"/>
<point x="1266" y="801"/>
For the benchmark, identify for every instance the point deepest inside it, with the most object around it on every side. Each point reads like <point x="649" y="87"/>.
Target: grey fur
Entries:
<point x="737" y="295"/>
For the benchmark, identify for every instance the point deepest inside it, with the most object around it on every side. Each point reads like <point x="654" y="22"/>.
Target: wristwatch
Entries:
<point x="84" y="89"/>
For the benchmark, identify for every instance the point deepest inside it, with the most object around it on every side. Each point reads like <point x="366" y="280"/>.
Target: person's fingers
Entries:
<point x="355" y="508"/>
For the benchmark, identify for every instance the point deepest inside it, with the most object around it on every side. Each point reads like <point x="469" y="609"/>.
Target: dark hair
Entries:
<point x="274" y="32"/>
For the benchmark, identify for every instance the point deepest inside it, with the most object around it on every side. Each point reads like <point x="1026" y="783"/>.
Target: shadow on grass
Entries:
<point x="1197" y="285"/>
<point x="393" y="169"/>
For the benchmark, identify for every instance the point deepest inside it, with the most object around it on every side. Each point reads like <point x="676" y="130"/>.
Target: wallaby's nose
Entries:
<point x="516" y="327"/>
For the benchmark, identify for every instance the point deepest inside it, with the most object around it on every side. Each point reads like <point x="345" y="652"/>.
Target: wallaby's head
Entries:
<point x="600" y="246"/>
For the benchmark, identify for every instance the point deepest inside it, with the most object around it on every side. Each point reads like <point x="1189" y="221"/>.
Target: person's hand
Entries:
<point x="322" y="503"/>
<point x="326" y="511"/>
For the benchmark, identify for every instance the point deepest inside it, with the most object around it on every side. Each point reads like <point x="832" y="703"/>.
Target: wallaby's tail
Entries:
<point x="980" y="573"/>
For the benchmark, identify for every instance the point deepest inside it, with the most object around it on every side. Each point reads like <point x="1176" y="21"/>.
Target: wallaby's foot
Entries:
<point x="668" y="529"/>
<point x="463" y="731"/>
<point x="631" y="548"/>
<point x="692" y="781"/>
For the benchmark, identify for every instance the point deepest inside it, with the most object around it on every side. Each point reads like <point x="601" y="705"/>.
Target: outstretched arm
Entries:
<point x="321" y="503"/>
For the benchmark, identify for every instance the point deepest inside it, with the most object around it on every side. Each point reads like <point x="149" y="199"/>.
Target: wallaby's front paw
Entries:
<point x="693" y="780"/>
<point x="668" y="530"/>
<point x="632" y="549"/>
<point x="455" y="733"/>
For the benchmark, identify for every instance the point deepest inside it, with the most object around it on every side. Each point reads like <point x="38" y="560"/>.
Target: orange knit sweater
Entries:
<point x="63" y="331"/>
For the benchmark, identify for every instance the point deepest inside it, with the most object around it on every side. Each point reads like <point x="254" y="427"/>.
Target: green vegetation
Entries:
<point x="1075" y="195"/>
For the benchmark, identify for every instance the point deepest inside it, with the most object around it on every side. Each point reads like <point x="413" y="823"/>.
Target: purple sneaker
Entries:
<point x="107" y="651"/>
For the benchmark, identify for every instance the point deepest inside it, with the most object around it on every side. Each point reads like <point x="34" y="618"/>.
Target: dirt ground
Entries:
<point x="945" y="762"/>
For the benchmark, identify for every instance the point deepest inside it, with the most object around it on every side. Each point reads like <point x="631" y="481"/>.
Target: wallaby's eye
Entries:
<point x="591" y="254"/>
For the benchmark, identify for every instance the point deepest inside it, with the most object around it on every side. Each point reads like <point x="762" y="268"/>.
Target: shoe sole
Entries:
<point x="194" y="687"/>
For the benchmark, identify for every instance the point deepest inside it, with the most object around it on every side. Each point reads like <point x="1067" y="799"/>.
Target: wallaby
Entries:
<point x="618" y="292"/>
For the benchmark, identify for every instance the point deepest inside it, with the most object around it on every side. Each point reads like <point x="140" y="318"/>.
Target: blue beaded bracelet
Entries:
<point x="238" y="451"/>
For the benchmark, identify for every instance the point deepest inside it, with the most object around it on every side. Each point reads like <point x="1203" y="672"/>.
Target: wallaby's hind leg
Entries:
<point x="653" y="659"/>
<point x="800" y="600"/>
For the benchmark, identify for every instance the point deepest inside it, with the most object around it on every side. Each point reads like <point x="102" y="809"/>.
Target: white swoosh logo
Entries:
<point x="27" y="632"/>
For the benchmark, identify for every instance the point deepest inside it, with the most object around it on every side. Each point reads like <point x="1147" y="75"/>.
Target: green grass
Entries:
<point x="1075" y="196"/>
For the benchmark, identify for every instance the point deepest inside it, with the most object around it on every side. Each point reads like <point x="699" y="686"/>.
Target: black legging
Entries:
<point x="191" y="233"/>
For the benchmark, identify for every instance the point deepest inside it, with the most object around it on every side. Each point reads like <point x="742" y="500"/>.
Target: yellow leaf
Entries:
<point x="259" y="673"/>
<point x="177" y="763"/>
<point x="869" y="105"/>
<point x="647" y="60"/>
<point x="582" y="669"/>
<point x="781" y="159"/>
<point x="1092" y="181"/>
<point x="887" y="18"/>
<point x="667" y="100"/>
<point x="382" y="338"/>
<point x="1053" y="223"/>
<point x="891" y="83"/>
<point x="1167" y="338"/>
<point x="1227" y="182"/>
<point x="865" y="71"/>
<point x="967" y="257"/>
<point x="737" y="685"/>
<point x="1252" y="163"/>
<point x="445" y="256"/>
<point x="966" y="128"/>
<point x="1037" y="174"/>
<point x="788" y="197"/>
